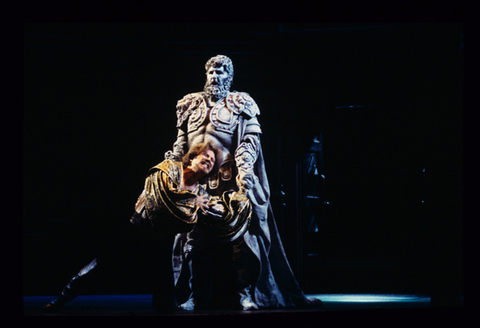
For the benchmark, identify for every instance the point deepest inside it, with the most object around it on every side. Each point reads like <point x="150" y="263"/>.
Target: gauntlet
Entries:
<point x="245" y="157"/>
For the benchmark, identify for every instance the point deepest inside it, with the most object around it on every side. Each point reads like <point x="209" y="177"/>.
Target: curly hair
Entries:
<point x="200" y="148"/>
<point x="219" y="61"/>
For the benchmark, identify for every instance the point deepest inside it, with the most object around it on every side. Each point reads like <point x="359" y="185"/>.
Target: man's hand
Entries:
<point x="245" y="180"/>
<point x="202" y="202"/>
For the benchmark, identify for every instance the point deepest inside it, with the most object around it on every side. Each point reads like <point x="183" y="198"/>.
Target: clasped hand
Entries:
<point x="202" y="202"/>
<point x="245" y="180"/>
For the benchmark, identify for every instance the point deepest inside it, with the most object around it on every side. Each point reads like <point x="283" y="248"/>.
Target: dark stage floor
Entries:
<point x="384" y="310"/>
<point x="140" y="304"/>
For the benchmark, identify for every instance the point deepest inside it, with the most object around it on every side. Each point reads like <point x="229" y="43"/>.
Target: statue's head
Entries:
<point x="219" y="72"/>
<point x="221" y="61"/>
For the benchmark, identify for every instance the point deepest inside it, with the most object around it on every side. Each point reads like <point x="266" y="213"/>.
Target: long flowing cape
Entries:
<point x="276" y="285"/>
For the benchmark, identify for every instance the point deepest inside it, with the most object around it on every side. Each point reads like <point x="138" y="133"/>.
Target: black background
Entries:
<point x="99" y="110"/>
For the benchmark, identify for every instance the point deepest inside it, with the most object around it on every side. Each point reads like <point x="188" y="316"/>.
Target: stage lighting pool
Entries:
<point x="371" y="298"/>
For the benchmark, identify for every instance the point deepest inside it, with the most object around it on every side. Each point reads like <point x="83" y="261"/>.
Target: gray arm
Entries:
<point x="179" y="146"/>
<point x="245" y="157"/>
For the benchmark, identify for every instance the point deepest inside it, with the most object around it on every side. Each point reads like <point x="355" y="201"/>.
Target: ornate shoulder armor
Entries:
<point x="186" y="105"/>
<point x="241" y="102"/>
<point x="225" y="114"/>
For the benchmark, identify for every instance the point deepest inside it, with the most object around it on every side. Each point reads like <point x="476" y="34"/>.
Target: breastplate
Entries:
<point x="223" y="118"/>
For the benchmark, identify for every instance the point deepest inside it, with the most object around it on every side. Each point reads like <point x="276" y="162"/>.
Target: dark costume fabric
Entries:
<point x="276" y="285"/>
<point x="271" y="280"/>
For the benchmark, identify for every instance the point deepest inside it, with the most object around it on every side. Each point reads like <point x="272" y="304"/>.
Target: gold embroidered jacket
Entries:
<point x="167" y="208"/>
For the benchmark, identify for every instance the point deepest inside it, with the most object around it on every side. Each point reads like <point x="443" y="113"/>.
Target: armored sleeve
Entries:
<point x="247" y="152"/>
<point x="250" y="111"/>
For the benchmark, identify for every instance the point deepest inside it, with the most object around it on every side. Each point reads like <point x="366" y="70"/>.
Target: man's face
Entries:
<point x="216" y="76"/>
<point x="203" y="162"/>
<point x="218" y="82"/>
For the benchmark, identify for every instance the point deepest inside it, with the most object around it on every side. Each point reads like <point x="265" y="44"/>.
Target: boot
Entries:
<point x="246" y="300"/>
<point x="70" y="291"/>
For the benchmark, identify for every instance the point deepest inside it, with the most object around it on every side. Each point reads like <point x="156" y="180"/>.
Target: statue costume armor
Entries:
<point x="231" y="124"/>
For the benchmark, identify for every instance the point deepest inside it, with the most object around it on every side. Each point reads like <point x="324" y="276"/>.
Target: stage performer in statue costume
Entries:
<point x="263" y="277"/>
<point x="173" y="201"/>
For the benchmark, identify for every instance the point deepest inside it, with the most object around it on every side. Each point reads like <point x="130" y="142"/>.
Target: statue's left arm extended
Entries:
<point x="247" y="153"/>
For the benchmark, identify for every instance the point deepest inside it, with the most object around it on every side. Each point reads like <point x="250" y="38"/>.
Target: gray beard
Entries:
<point x="217" y="91"/>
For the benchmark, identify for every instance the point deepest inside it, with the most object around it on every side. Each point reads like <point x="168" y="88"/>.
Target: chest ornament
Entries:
<point x="224" y="115"/>
<point x="197" y="117"/>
